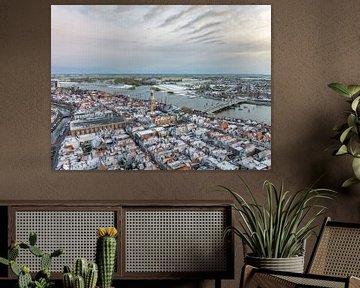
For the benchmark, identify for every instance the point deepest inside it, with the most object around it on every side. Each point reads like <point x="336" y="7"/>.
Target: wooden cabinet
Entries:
<point x="167" y="240"/>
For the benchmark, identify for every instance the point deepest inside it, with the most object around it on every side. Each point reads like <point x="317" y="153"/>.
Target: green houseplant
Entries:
<point x="42" y="278"/>
<point x="349" y="132"/>
<point x="279" y="229"/>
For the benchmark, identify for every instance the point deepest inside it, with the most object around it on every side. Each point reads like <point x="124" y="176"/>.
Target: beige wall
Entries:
<point x="314" y="42"/>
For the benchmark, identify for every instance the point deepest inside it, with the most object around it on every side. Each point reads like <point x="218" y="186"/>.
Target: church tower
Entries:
<point x="152" y="101"/>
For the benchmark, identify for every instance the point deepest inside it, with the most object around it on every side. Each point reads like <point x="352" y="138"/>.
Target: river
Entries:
<point x="259" y="113"/>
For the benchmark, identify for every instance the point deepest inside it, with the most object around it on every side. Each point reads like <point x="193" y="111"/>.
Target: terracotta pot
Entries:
<point x="291" y="264"/>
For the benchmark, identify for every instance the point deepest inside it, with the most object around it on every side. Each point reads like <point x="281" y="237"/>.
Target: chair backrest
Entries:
<point x="337" y="251"/>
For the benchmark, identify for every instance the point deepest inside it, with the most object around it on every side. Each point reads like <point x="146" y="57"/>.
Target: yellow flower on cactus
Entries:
<point x="106" y="231"/>
<point x="112" y="231"/>
<point x="101" y="231"/>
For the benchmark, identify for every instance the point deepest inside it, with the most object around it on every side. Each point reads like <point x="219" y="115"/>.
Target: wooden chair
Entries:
<point x="334" y="263"/>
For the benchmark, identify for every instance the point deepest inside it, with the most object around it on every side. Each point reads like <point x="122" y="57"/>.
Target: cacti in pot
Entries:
<point x="106" y="254"/>
<point x="85" y="275"/>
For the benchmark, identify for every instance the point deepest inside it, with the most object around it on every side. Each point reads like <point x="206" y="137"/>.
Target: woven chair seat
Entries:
<point x="313" y="282"/>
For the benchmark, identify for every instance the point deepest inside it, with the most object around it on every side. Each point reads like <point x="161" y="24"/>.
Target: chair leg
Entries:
<point x="246" y="274"/>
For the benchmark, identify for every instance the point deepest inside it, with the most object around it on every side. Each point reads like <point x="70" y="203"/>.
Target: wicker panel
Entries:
<point x="175" y="241"/>
<point x="313" y="282"/>
<point x="75" y="231"/>
<point x="338" y="253"/>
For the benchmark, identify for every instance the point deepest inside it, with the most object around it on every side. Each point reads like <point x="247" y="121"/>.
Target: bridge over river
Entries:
<point x="227" y="104"/>
<point x="222" y="106"/>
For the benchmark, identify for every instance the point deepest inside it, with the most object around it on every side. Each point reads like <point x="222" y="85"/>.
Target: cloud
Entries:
<point x="205" y="27"/>
<point x="206" y="39"/>
<point x="207" y="15"/>
<point x="104" y="13"/>
<point x="155" y="12"/>
<point x="213" y="41"/>
<point x="178" y="16"/>
<point x="203" y="35"/>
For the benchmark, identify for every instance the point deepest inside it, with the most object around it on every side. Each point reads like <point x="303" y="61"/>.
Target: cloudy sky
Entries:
<point x="161" y="39"/>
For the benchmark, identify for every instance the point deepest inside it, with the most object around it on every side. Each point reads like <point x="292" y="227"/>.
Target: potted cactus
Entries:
<point x="106" y="254"/>
<point x="84" y="275"/>
<point x="42" y="278"/>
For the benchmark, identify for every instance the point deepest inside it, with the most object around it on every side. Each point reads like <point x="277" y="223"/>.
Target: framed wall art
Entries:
<point x="166" y="87"/>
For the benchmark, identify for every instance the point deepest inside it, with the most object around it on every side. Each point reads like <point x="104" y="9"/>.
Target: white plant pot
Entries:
<point x="291" y="264"/>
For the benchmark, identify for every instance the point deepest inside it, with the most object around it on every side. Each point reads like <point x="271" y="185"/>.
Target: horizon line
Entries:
<point x="94" y="73"/>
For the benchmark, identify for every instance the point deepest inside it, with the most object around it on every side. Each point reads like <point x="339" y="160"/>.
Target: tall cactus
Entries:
<point x="106" y="254"/>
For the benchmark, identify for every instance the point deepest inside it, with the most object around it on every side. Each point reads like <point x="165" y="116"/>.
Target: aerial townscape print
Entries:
<point x="161" y="87"/>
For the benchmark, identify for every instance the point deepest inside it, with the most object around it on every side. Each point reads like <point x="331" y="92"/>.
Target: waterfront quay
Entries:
<point x="116" y="132"/>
